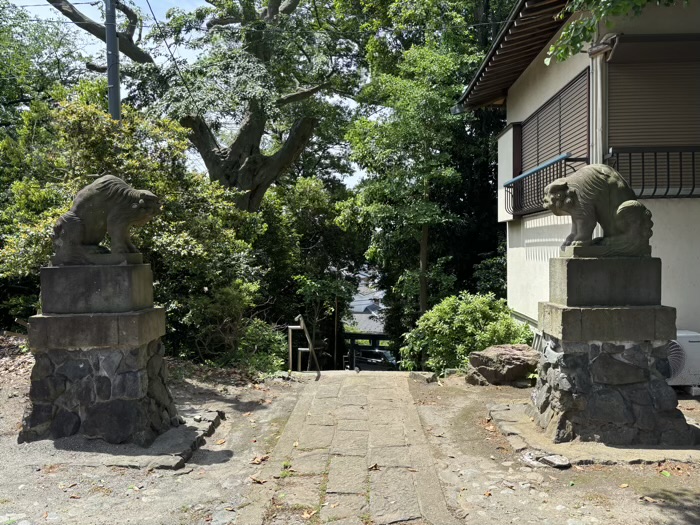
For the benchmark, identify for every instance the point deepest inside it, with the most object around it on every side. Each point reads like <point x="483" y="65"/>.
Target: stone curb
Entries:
<point x="515" y="424"/>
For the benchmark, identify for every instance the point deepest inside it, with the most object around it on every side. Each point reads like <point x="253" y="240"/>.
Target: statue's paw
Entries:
<point x="576" y="244"/>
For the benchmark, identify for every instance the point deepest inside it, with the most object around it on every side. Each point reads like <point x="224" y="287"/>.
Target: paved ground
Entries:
<point x="351" y="449"/>
<point x="355" y="448"/>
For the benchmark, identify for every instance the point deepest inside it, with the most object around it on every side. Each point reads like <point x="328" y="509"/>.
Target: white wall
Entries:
<point x="505" y="170"/>
<point x="676" y="241"/>
<point x="532" y="241"/>
<point x="658" y="20"/>
<point x="539" y="83"/>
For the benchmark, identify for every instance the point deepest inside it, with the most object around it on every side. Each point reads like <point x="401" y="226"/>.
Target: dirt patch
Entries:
<point x="53" y="482"/>
<point x="485" y="481"/>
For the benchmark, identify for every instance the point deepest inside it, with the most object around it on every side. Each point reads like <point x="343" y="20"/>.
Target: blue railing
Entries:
<point x="525" y="192"/>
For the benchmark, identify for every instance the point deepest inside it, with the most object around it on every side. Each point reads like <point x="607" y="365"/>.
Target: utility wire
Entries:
<point x="179" y="73"/>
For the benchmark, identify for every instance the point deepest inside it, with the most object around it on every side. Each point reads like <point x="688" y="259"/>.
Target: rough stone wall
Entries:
<point x="117" y="394"/>
<point x="613" y="392"/>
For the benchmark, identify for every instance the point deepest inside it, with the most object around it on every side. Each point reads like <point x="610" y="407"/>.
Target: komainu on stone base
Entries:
<point x="613" y="392"/>
<point x="597" y="194"/>
<point x="99" y="369"/>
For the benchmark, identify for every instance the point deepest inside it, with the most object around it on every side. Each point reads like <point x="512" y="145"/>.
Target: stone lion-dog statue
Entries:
<point x="107" y="206"/>
<point x="598" y="194"/>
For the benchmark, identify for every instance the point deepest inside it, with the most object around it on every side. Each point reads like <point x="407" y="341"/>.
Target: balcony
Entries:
<point x="659" y="172"/>
<point x="525" y="192"/>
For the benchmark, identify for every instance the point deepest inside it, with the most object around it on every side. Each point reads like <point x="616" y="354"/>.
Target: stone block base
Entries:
<point x="610" y="281"/>
<point x="608" y="323"/>
<point x="118" y="394"/>
<point x="611" y="392"/>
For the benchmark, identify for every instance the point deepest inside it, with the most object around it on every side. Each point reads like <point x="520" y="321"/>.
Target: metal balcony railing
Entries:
<point x="659" y="172"/>
<point x="524" y="193"/>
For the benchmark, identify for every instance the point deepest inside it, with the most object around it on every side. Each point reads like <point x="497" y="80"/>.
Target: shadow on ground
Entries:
<point x="682" y="505"/>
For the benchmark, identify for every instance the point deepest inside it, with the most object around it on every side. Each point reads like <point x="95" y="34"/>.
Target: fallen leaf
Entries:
<point x="665" y="473"/>
<point x="374" y="467"/>
<point x="412" y="470"/>
<point x="230" y="509"/>
<point x="648" y="499"/>
<point x="487" y="493"/>
<point x="220" y="441"/>
<point x="296" y="444"/>
<point x="308" y="514"/>
<point x="490" y="428"/>
<point x="577" y="467"/>
<point x="74" y="496"/>
<point x="571" y="483"/>
<point x="259" y="459"/>
<point x="334" y="505"/>
<point x="624" y="485"/>
<point x="257" y="480"/>
<point x="247" y="414"/>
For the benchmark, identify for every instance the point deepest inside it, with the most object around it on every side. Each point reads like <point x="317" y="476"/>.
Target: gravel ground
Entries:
<point x="484" y="481"/>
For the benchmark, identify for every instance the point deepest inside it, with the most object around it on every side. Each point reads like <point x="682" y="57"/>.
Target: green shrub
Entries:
<point x="446" y="334"/>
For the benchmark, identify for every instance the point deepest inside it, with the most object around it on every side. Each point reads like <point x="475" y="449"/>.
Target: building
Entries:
<point x="631" y="100"/>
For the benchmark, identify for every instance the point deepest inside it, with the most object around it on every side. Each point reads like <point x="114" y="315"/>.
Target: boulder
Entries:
<point x="502" y="364"/>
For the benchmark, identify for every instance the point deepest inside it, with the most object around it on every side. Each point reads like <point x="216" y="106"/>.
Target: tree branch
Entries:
<point x="97" y="68"/>
<point x="131" y="16"/>
<point x="126" y="45"/>
<point x="223" y="21"/>
<point x="289" y="6"/>
<point x="301" y="95"/>
<point x="206" y="144"/>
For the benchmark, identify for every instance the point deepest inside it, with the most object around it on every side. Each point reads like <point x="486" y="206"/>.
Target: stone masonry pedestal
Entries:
<point x="99" y="367"/>
<point x="603" y="373"/>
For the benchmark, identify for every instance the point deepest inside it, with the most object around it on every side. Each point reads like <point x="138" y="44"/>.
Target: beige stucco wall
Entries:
<point x="676" y="240"/>
<point x="539" y="83"/>
<point x="505" y="170"/>
<point x="658" y="20"/>
<point x="534" y="239"/>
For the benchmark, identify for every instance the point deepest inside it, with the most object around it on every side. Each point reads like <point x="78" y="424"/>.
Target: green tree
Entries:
<point x="430" y="192"/>
<point x="35" y="57"/>
<point x="259" y="70"/>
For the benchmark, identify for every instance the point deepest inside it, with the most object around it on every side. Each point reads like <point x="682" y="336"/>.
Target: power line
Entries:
<point x="49" y="5"/>
<point x="179" y="73"/>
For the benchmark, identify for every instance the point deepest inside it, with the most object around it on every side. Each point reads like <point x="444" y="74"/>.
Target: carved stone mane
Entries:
<point x="107" y="206"/>
<point x="598" y="194"/>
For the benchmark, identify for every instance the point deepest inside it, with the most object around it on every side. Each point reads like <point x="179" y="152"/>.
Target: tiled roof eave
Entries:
<point x="530" y="27"/>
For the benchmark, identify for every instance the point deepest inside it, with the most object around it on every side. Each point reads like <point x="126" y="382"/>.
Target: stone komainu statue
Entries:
<point x="598" y="194"/>
<point x="108" y="205"/>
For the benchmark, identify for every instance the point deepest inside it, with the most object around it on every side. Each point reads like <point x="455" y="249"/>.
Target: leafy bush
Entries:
<point x="446" y="334"/>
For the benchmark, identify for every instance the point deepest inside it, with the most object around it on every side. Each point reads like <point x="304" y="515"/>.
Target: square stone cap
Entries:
<point x="608" y="323"/>
<point x="82" y="331"/>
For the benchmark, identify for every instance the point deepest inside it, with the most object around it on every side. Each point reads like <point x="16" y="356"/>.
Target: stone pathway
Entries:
<point x="353" y="452"/>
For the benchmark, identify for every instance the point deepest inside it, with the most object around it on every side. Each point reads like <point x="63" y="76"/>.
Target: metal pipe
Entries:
<point x="113" y="86"/>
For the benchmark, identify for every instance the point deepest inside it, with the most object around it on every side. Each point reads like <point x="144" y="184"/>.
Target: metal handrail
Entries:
<point x="525" y="193"/>
<point x="539" y="168"/>
<point x="657" y="172"/>
<point x="302" y="326"/>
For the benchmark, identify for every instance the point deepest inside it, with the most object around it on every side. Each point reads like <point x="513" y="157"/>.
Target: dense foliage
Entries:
<point x="429" y="197"/>
<point x="457" y="326"/>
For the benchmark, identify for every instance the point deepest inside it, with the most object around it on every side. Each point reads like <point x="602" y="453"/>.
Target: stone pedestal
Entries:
<point x="99" y="367"/>
<point x="603" y="373"/>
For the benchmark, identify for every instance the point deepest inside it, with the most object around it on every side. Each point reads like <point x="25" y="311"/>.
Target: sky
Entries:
<point x="43" y="10"/>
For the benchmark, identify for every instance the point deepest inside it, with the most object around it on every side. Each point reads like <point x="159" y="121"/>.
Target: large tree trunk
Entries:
<point x="240" y="165"/>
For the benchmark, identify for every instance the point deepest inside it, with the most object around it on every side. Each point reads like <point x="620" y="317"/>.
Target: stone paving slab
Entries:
<point x="364" y="432"/>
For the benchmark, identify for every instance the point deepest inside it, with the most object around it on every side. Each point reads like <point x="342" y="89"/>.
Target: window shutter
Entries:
<point x="559" y="126"/>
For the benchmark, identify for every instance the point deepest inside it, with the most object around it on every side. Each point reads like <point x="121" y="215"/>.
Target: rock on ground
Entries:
<point x="501" y="364"/>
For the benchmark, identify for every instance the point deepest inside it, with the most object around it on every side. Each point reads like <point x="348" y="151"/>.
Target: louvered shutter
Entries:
<point x="559" y="126"/>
